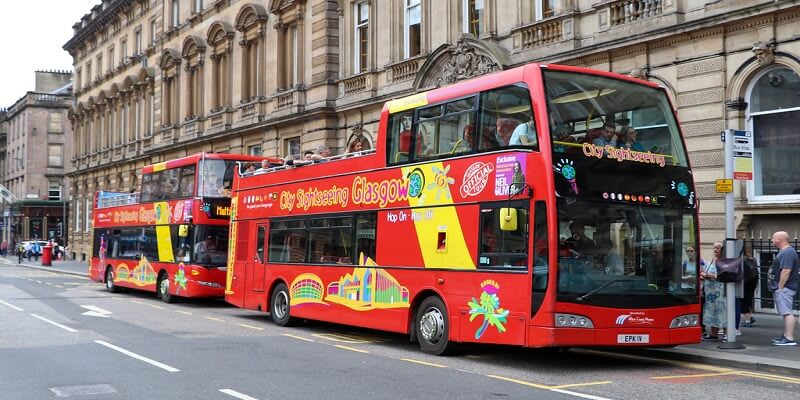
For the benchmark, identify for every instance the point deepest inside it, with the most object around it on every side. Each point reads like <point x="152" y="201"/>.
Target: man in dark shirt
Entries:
<point x="579" y="241"/>
<point x="783" y="281"/>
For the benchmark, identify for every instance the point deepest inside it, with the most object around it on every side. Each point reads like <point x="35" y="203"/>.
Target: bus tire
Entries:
<point x="110" y="286"/>
<point x="432" y="327"/>
<point x="162" y="288"/>
<point x="279" y="305"/>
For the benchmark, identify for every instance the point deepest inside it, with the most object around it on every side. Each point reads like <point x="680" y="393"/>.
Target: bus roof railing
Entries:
<point x="107" y="199"/>
<point x="285" y="166"/>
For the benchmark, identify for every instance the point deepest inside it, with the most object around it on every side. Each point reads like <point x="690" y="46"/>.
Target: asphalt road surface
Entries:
<point x="64" y="336"/>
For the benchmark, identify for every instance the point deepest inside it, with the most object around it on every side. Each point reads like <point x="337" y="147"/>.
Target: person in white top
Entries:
<point x="524" y="134"/>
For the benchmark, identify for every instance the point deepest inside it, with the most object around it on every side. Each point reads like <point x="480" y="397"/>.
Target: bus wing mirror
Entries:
<point x="183" y="231"/>
<point x="508" y="219"/>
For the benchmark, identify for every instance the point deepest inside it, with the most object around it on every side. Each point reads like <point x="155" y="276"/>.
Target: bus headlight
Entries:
<point x="573" y="321"/>
<point x="685" y="321"/>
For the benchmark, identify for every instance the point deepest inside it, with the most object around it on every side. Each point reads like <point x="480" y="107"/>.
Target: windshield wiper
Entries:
<point x="593" y="291"/>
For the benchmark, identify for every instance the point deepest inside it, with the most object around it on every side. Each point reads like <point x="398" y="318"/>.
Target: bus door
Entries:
<point x="541" y="255"/>
<point x="255" y="265"/>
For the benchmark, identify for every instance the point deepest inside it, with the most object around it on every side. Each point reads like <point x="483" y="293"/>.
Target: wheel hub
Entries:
<point x="432" y="325"/>
<point x="281" y="305"/>
<point x="165" y="286"/>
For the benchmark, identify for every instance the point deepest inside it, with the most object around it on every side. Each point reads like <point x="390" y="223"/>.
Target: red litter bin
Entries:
<point x="47" y="255"/>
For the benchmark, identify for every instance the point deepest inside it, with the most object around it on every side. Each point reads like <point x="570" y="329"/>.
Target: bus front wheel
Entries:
<point x="433" y="329"/>
<point x="280" y="305"/>
<point x="110" y="286"/>
<point x="163" y="288"/>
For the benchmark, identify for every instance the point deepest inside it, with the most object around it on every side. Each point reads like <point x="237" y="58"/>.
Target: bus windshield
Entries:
<point x="216" y="178"/>
<point x="590" y="111"/>
<point x="210" y="245"/>
<point x="626" y="256"/>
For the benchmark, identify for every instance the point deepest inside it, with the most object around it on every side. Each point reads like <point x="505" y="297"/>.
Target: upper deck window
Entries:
<point x="173" y="183"/>
<point x="487" y="121"/>
<point x="589" y="112"/>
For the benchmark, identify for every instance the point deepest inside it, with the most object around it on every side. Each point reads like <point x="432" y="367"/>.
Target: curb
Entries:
<point x="52" y="269"/>
<point x="735" y="361"/>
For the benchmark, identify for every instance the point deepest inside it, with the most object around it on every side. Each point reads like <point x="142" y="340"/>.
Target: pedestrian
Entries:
<point x="751" y="276"/>
<point x="783" y="280"/>
<point x="28" y="247"/>
<point x="714" y="310"/>
<point x="36" y="249"/>
<point x="20" y="253"/>
<point x="4" y="248"/>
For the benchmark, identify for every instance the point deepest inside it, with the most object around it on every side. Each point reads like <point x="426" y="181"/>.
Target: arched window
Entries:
<point x="220" y="43"/>
<point x="772" y="114"/>
<point x="251" y="23"/>
<point x="193" y="54"/>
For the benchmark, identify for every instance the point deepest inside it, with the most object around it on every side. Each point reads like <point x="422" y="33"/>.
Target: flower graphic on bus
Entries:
<point x="180" y="278"/>
<point x="567" y="170"/>
<point x="441" y="182"/>
<point x="489" y="308"/>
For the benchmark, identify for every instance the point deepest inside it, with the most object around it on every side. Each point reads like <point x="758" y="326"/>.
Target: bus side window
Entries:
<point x="507" y="113"/>
<point x="541" y="253"/>
<point x="262" y="234"/>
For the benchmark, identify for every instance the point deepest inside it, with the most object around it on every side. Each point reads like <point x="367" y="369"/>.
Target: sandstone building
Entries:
<point x="35" y="147"/>
<point x="159" y="79"/>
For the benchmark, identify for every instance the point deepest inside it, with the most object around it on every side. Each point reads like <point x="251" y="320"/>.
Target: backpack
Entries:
<point x="751" y="273"/>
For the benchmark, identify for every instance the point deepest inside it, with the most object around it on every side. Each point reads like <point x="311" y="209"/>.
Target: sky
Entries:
<point x="34" y="32"/>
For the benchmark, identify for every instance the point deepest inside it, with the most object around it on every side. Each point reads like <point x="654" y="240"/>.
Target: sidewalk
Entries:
<point x="77" y="268"/>
<point x="759" y="353"/>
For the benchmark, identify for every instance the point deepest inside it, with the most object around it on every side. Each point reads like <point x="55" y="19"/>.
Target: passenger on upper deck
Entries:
<point x="468" y="139"/>
<point x="308" y="158"/>
<point x="563" y="134"/>
<point x="505" y="129"/>
<point x="212" y="185"/>
<point x="524" y="134"/>
<point x="249" y="168"/>
<point x="629" y="141"/>
<point x="358" y="144"/>
<point x="323" y="152"/>
<point x="607" y="136"/>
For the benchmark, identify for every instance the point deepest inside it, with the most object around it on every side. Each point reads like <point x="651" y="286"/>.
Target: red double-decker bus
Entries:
<point x="172" y="237"/>
<point x="540" y="206"/>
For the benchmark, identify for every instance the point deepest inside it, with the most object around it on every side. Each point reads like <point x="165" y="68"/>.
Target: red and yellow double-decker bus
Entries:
<point x="540" y="206"/>
<point x="172" y="237"/>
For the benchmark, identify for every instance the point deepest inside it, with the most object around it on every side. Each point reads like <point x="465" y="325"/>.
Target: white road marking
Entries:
<point x="9" y="305"/>
<point x="95" y="311"/>
<point x="64" y="327"/>
<point x="231" y="392"/>
<point x="576" y="394"/>
<point x="138" y="357"/>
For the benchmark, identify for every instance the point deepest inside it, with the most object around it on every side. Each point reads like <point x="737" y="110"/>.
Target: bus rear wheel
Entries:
<point x="280" y="305"/>
<point x="433" y="328"/>
<point x="110" y="286"/>
<point x="162" y="288"/>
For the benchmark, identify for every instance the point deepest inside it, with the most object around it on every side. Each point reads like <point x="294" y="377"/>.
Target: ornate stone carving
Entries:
<point x="465" y="63"/>
<point x="764" y="52"/>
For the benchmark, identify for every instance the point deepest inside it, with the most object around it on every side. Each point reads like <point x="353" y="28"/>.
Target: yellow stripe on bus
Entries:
<point x="441" y="239"/>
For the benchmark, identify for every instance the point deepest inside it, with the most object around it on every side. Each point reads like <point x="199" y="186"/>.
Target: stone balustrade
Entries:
<point x="625" y="11"/>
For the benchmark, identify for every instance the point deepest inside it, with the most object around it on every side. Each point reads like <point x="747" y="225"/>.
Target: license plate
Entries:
<point x="633" y="339"/>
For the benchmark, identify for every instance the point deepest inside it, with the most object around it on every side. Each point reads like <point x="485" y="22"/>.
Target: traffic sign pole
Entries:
<point x="730" y="248"/>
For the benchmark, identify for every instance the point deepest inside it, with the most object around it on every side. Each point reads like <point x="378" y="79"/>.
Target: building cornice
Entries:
<point x="109" y="13"/>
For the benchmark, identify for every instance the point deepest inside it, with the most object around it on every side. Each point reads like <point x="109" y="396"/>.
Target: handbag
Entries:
<point x="730" y="269"/>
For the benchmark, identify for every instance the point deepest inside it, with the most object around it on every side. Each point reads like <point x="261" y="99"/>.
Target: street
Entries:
<point x="65" y="336"/>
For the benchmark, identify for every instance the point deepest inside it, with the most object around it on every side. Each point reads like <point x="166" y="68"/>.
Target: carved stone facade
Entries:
<point x="275" y="73"/>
